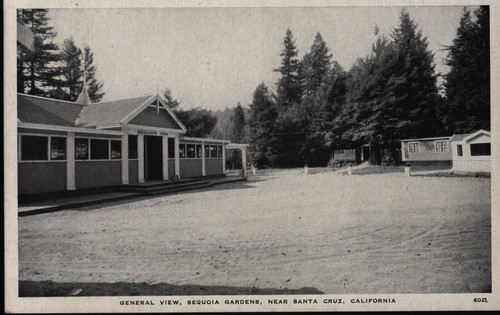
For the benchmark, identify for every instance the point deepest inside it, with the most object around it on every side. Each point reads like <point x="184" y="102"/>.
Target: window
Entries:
<point x="441" y="146"/>
<point x="116" y="149"/>
<point x="198" y="151"/>
<point x="219" y="152"/>
<point x="57" y="148"/>
<point x="34" y="148"/>
<point x="207" y="151"/>
<point x="478" y="149"/>
<point x="459" y="150"/>
<point x="182" y="150"/>
<point x="132" y="147"/>
<point x="414" y="147"/>
<point x="171" y="148"/>
<point x="213" y="151"/>
<point x="81" y="149"/>
<point x="191" y="151"/>
<point x="99" y="149"/>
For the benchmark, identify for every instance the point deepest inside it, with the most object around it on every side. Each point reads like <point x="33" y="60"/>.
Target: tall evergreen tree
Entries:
<point x="94" y="87"/>
<point x="238" y="128"/>
<point x="263" y="116"/>
<point x="289" y="85"/>
<point x="412" y="84"/>
<point x="468" y="81"/>
<point x="37" y="72"/>
<point x="71" y="58"/>
<point x="315" y="65"/>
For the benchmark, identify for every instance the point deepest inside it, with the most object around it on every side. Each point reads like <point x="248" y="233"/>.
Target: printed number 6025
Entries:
<point x="484" y="300"/>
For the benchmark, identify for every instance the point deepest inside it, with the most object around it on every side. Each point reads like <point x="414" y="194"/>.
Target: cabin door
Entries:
<point x="153" y="160"/>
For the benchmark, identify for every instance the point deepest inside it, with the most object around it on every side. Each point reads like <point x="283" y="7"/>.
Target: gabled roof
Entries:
<point x="41" y="110"/>
<point x="477" y="133"/>
<point x="47" y="111"/>
<point x="84" y="98"/>
<point x="468" y="136"/>
<point x="107" y="113"/>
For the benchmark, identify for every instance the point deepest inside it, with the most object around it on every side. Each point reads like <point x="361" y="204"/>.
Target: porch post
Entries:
<point x="125" y="179"/>
<point x="223" y="158"/>
<point x="164" y="150"/>
<point x="203" y="163"/>
<point x="140" y="158"/>
<point x="70" y="161"/>
<point x="177" y="160"/>
<point x="244" y="160"/>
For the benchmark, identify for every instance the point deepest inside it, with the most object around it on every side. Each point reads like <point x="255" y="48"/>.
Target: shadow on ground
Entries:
<point x="50" y="288"/>
<point x="228" y="186"/>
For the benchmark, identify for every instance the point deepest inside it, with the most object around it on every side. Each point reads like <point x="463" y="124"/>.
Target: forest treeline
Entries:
<point x="389" y="95"/>
<point x="316" y="106"/>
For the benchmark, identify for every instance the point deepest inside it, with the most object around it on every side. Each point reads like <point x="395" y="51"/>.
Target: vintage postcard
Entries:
<point x="206" y="156"/>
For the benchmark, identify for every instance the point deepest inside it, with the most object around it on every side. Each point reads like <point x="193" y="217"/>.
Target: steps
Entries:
<point x="159" y="188"/>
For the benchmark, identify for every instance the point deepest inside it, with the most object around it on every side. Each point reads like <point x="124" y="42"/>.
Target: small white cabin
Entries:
<point x="471" y="152"/>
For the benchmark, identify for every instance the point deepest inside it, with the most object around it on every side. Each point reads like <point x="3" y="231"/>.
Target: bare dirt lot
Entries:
<point x="338" y="234"/>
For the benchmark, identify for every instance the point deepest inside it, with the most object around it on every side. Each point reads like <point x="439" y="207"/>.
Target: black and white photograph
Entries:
<point x="203" y="156"/>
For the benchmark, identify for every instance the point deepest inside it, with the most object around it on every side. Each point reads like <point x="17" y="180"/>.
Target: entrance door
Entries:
<point x="153" y="164"/>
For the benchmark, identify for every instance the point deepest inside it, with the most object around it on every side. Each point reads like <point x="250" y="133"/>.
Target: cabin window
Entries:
<point x="198" y="151"/>
<point x="414" y="147"/>
<point x="116" y="149"/>
<point x="132" y="147"/>
<point x="480" y="149"/>
<point x="57" y="148"/>
<point x="219" y="152"/>
<point x="459" y="150"/>
<point x="441" y="146"/>
<point x="213" y="151"/>
<point x="182" y="150"/>
<point x="191" y="151"/>
<point x="207" y="151"/>
<point x="81" y="149"/>
<point x="171" y="148"/>
<point x="99" y="149"/>
<point x="34" y="148"/>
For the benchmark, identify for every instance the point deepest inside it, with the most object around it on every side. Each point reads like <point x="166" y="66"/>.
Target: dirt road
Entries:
<point x="339" y="234"/>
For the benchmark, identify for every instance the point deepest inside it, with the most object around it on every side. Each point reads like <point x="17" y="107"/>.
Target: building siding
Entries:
<point x="133" y="176"/>
<point x="39" y="177"/>
<point x="427" y="152"/>
<point x="90" y="174"/>
<point x="190" y="168"/>
<point x="213" y="167"/>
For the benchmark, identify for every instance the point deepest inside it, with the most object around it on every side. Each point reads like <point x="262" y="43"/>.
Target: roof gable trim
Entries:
<point x="144" y="105"/>
<point x="477" y="133"/>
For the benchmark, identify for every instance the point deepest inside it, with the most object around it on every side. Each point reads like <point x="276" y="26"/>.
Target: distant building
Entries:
<point x="79" y="145"/>
<point x="424" y="151"/>
<point x="471" y="152"/>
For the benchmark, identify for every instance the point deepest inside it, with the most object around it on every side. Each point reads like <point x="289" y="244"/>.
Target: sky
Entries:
<point x="215" y="57"/>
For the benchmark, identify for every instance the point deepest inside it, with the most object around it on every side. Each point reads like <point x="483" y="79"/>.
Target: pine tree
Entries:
<point x="94" y="87"/>
<point x="369" y="110"/>
<point x="412" y="88"/>
<point x="468" y="81"/>
<point x="238" y="126"/>
<point x="37" y="72"/>
<point x="289" y="85"/>
<point x="71" y="58"/>
<point x="171" y="101"/>
<point x="262" y="138"/>
<point x="315" y="65"/>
